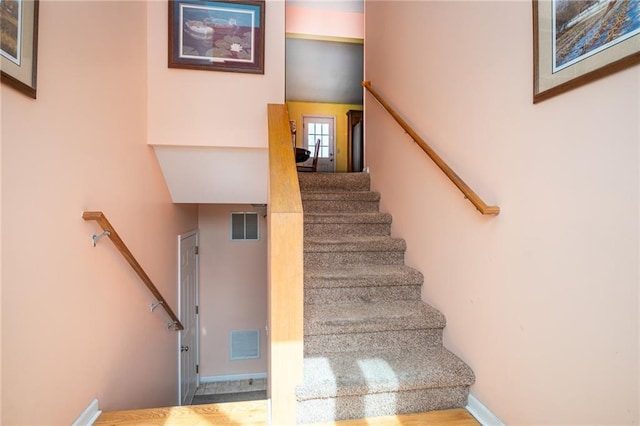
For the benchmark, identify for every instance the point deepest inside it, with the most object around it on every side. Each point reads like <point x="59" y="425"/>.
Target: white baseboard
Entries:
<point x="482" y="413"/>
<point x="233" y="377"/>
<point x="89" y="415"/>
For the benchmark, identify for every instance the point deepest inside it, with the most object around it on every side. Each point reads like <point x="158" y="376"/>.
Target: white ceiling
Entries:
<point x="215" y="175"/>
<point x="356" y="6"/>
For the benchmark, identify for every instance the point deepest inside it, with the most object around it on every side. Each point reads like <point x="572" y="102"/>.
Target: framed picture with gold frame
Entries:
<point x="577" y="42"/>
<point x="19" y="44"/>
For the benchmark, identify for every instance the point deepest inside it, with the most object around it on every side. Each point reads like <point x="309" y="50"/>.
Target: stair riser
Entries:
<point x="322" y="326"/>
<point x="367" y="294"/>
<point x="338" y="206"/>
<point x="382" y="404"/>
<point x="404" y="340"/>
<point x="328" y="259"/>
<point x="343" y="229"/>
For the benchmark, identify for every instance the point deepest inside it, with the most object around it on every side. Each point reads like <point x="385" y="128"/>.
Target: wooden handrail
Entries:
<point x="457" y="181"/>
<point x="101" y="219"/>
<point x="285" y="294"/>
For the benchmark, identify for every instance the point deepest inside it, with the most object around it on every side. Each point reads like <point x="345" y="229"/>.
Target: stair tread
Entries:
<point x="361" y="276"/>
<point x="353" y="243"/>
<point x="344" y="374"/>
<point x="361" y="316"/>
<point x="337" y="181"/>
<point x="339" y="196"/>
<point x="364" y="218"/>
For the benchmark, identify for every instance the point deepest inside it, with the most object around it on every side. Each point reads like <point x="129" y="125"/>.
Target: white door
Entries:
<point x="322" y="128"/>
<point x="188" y="314"/>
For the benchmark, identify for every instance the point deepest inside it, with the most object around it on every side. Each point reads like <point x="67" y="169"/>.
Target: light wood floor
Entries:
<point x="254" y="413"/>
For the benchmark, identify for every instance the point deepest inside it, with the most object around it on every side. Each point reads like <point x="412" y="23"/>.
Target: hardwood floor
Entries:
<point x="254" y="413"/>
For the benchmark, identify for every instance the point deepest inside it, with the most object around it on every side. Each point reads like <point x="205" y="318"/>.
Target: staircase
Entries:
<point x="371" y="346"/>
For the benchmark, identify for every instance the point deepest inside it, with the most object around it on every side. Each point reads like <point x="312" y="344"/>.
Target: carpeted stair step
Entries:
<point x="378" y="294"/>
<point x="340" y="202"/>
<point x="340" y="224"/>
<point x="366" y="283"/>
<point x="331" y="182"/>
<point x="339" y="251"/>
<point x="362" y="317"/>
<point x="381" y="383"/>
<point x="405" y="340"/>
<point x="361" y="276"/>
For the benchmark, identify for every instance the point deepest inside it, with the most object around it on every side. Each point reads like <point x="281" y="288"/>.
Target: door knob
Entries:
<point x="184" y="348"/>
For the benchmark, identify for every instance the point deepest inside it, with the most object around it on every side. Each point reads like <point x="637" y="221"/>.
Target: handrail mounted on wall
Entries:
<point x="457" y="181"/>
<point x="110" y="232"/>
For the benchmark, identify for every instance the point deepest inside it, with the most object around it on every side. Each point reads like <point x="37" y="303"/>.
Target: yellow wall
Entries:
<point x="298" y="109"/>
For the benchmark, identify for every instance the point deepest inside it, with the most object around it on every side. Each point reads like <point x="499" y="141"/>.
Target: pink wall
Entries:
<point x="1" y="316"/>
<point x="207" y="108"/>
<point x="233" y="290"/>
<point x="76" y="323"/>
<point x="542" y="301"/>
<point x="324" y="22"/>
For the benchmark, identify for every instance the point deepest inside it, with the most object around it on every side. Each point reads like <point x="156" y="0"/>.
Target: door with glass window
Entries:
<point x="321" y="128"/>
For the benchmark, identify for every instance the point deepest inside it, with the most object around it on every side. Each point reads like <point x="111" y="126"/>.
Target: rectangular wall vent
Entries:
<point x="244" y="226"/>
<point x="245" y="344"/>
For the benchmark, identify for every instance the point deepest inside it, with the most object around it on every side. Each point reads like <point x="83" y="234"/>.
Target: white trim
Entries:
<point x="333" y="143"/>
<point x="482" y="413"/>
<point x="232" y="377"/>
<point x="89" y="415"/>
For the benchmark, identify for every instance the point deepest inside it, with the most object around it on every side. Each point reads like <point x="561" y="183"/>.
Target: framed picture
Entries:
<point x="224" y="35"/>
<point x="19" y="44"/>
<point x="578" y="41"/>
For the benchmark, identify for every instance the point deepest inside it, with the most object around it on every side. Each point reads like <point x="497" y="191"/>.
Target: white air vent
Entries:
<point x="245" y="344"/>
<point x="244" y="226"/>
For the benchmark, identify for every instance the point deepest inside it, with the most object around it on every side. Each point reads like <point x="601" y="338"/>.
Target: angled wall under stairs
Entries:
<point x="372" y="347"/>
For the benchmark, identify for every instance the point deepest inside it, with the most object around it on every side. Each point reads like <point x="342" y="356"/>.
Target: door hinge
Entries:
<point x="197" y="250"/>
<point x="197" y="369"/>
<point x="197" y="309"/>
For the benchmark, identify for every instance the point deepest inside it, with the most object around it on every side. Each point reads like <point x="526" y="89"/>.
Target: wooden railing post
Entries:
<point x="285" y="294"/>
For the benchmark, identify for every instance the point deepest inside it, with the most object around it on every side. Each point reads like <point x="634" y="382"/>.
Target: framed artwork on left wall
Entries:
<point x="223" y="35"/>
<point x="19" y="44"/>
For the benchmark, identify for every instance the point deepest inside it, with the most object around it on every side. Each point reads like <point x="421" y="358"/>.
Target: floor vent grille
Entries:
<point x="245" y="344"/>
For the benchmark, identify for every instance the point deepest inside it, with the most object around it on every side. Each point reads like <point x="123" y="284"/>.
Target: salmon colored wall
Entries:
<point x="208" y="108"/>
<point x="541" y="301"/>
<point x="76" y="323"/>
<point x="1" y="315"/>
<point x="298" y="109"/>
<point x="324" y="22"/>
<point x="233" y="290"/>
